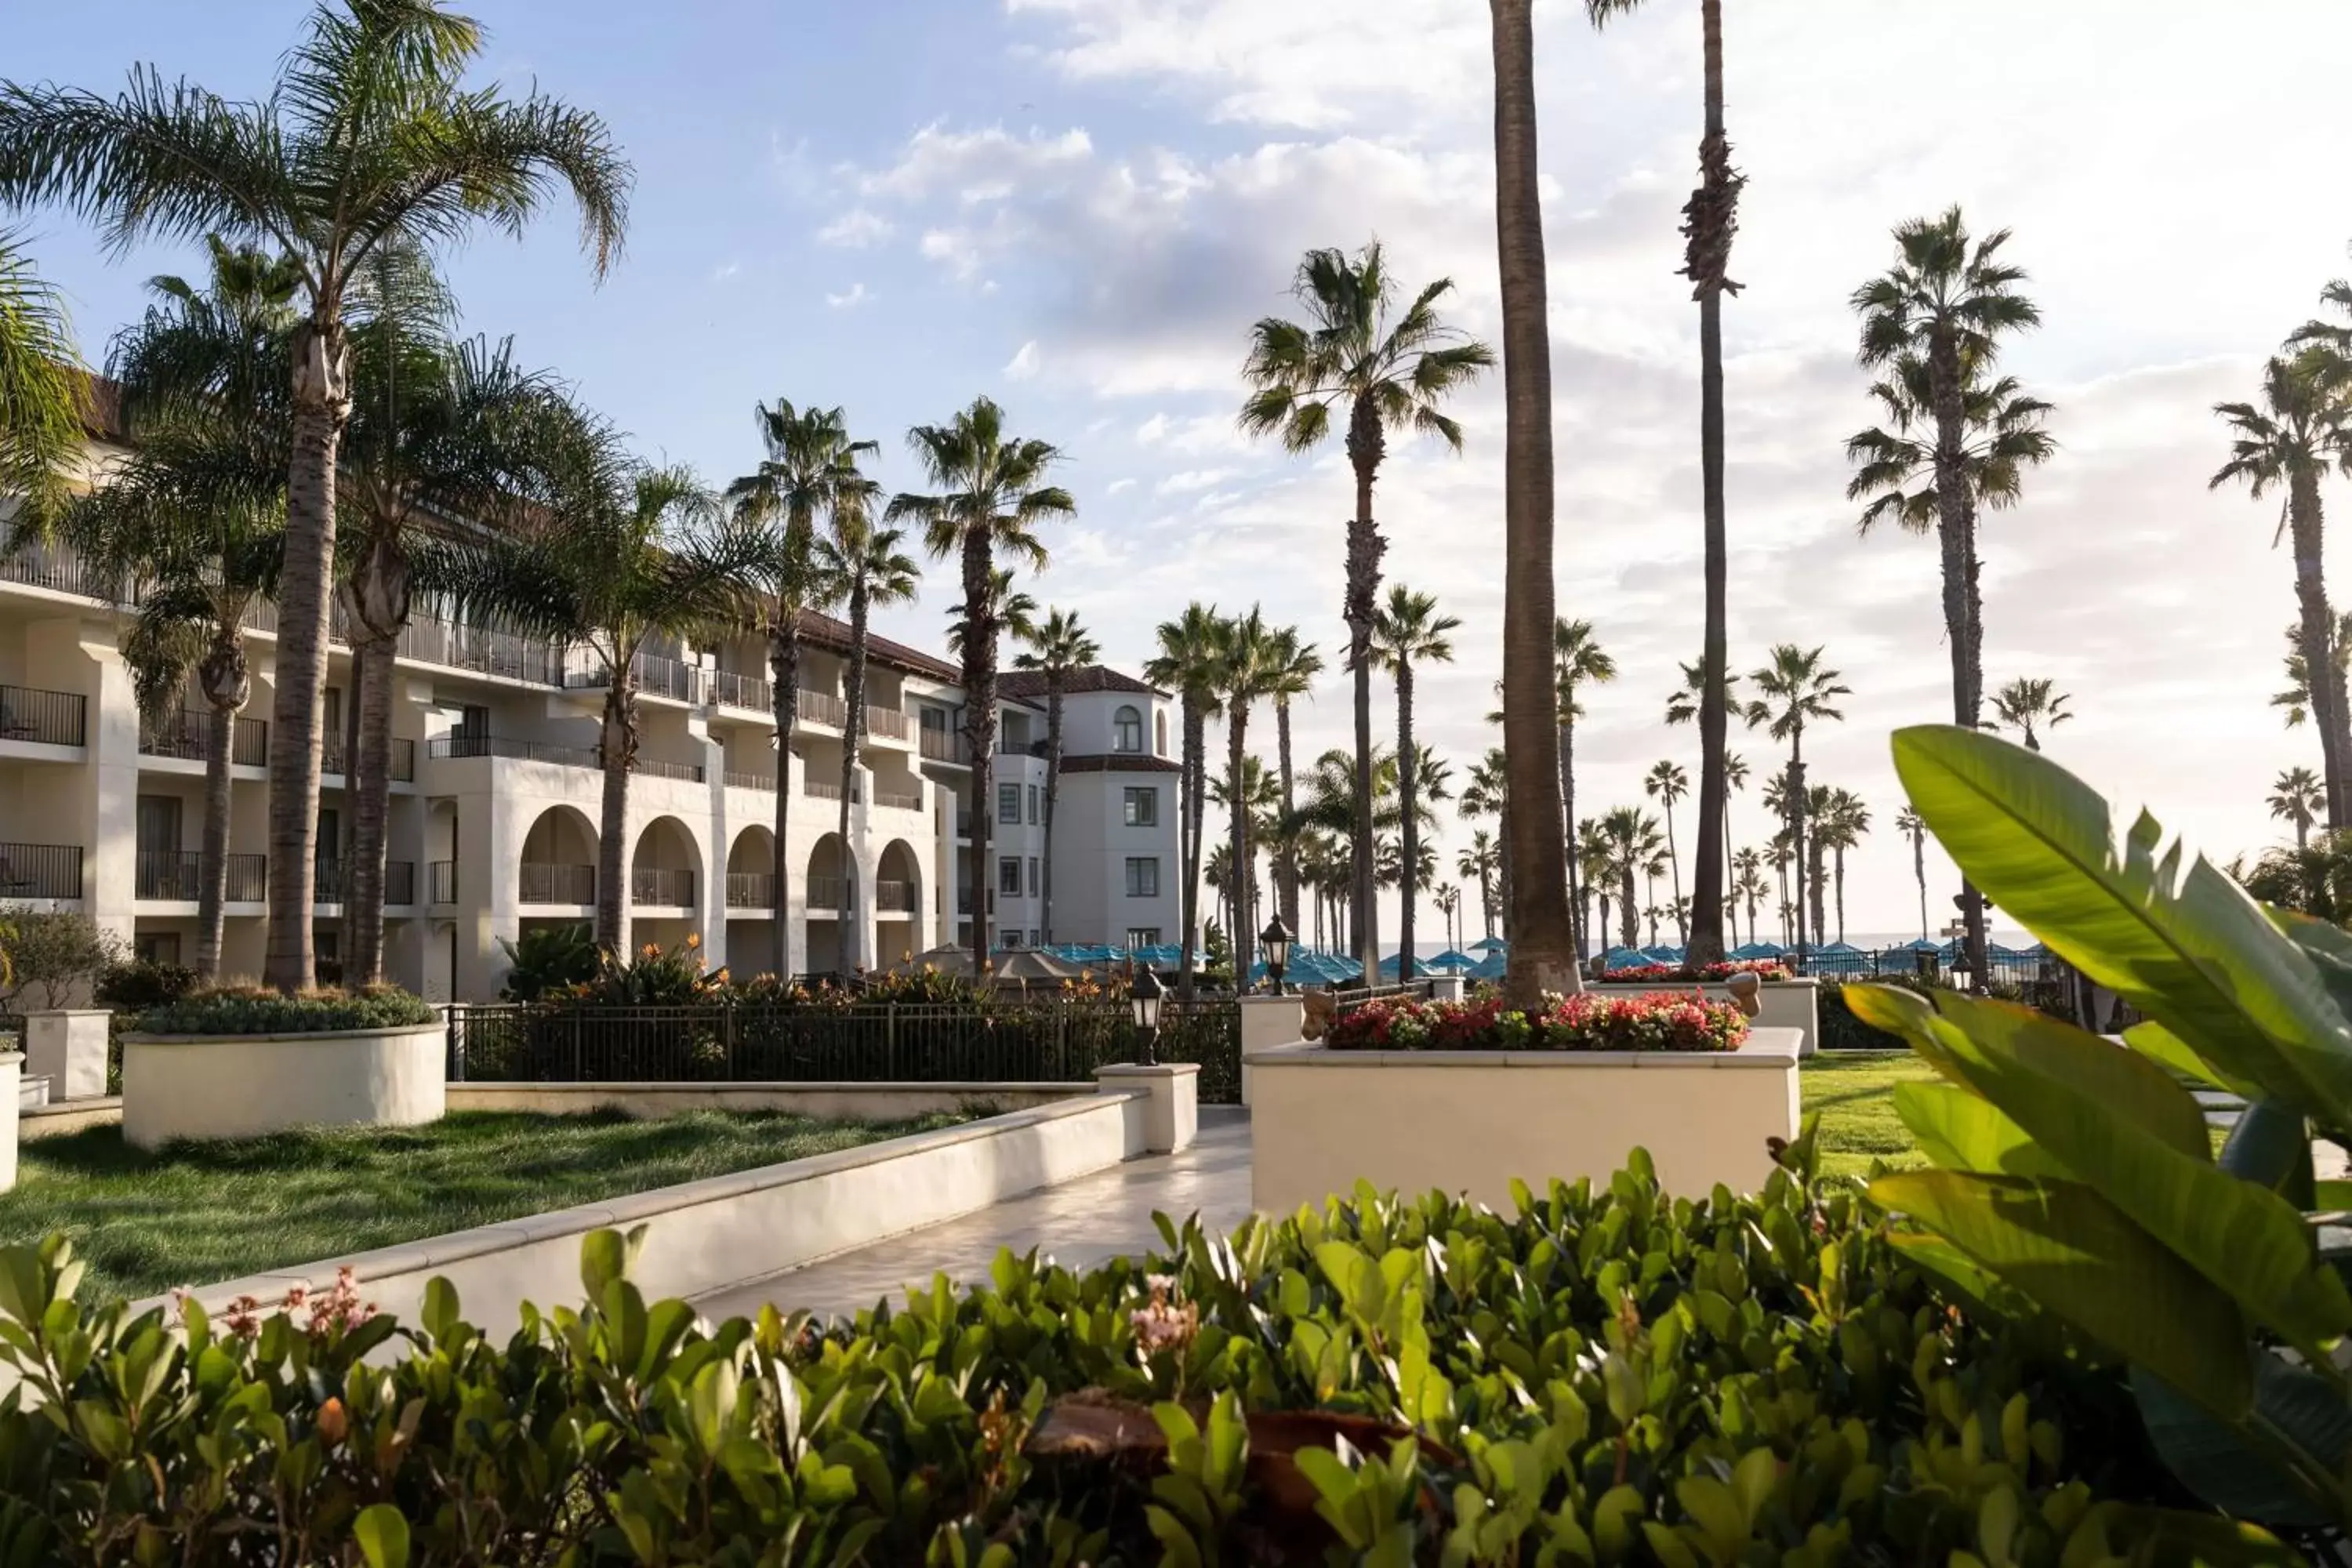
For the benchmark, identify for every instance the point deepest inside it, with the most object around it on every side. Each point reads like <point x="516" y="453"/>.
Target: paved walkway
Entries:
<point x="1079" y="1224"/>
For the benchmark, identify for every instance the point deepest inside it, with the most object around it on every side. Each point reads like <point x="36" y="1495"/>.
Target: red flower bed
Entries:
<point x="1658" y="1021"/>
<point x="1765" y="969"/>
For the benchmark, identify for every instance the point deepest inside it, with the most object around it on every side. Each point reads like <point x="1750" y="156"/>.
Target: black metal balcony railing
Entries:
<point x="177" y="875"/>
<point x="669" y="887"/>
<point x="824" y="895"/>
<point x="441" y="882"/>
<point x="400" y="881"/>
<point x="656" y="676"/>
<point x="738" y="690"/>
<point x="326" y="880"/>
<point x="750" y="889"/>
<point x="53" y="567"/>
<point x="894" y="897"/>
<point x="187" y="735"/>
<point x="458" y="743"/>
<point x="750" y="781"/>
<point x="963" y="825"/>
<point x="963" y="901"/>
<point x="889" y="724"/>
<point x="654" y="767"/>
<point x="891" y="801"/>
<point x="544" y="883"/>
<point x="943" y="745"/>
<point x="44" y="718"/>
<point x="402" y="770"/>
<point x="820" y="707"/>
<point x="40" y="870"/>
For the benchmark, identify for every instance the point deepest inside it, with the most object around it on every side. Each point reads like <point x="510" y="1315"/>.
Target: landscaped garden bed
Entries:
<point x="197" y="1213"/>
<point x="1782" y="1000"/>
<point x="1647" y="1021"/>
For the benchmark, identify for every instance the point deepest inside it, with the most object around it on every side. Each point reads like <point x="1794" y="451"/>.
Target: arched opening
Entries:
<point x="897" y="905"/>
<point x="752" y="902"/>
<point x="1127" y="729"/>
<point x="821" y="906"/>
<point x="559" y="861"/>
<point x="664" y="884"/>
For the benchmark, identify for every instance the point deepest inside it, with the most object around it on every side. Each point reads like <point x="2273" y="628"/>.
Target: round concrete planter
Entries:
<point x="1781" y="1003"/>
<point x="1472" y="1121"/>
<point x="239" y="1085"/>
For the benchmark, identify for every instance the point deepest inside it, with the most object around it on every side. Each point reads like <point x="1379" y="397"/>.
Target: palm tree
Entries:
<point x="1384" y="372"/>
<point x="1933" y="322"/>
<point x="368" y="139"/>
<point x="2297" y="797"/>
<point x="1592" y="854"/>
<point x="1406" y="631"/>
<point x="195" y="517"/>
<point x="809" y="467"/>
<point x="1912" y="826"/>
<point x="991" y="495"/>
<point x="1710" y="219"/>
<point x="1448" y="898"/>
<point x="1186" y="664"/>
<point x="1486" y="793"/>
<point x="1684" y="706"/>
<point x="1666" y="782"/>
<point x="1577" y="658"/>
<point x="1634" y="844"/>
<point x="1245" y="653"/>
<point x="1058" y="646"/>
<point x="1748" y="881"/>
<point x="1543" y="951"/>
<point x="1844" y="820"/>
<point x="1291" y="668"/>
<point x="2300" y="429"/>
<point x="2296" y="699"/>
<point x="1798" y="690"/>
<point x="862" y="567"/>
<point x="631" y="556"/>
<point x="40" y="391"/>
<point x="2029" y="705"/>
<point x="1479" y="860"/>
<point x="1784" y="856"/>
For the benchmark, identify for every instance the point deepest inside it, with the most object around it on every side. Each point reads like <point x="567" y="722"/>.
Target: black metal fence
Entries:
<point x="1043" y="1042"/>
<point x="1346" y="999"/>
<point x="44" y="718"/>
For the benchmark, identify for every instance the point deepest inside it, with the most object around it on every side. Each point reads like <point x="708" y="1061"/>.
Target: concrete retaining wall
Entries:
<point x="240" y="1086"/>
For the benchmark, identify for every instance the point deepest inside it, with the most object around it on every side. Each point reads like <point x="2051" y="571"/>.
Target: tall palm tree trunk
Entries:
<point x="367" y="777"/>
<point x="1797" y="835"/>
<point x="211" y="862"/>
<point x="1408" y="788"/>
<point x="1577" y="932"/>
<point x="1919" y="870"/>
<point x="322" y="404"/>
<point x="1503" y="874"/>
<point x="619" y="755"/>
<point x="979" y="731"/>
<point x="1285" y="871"/>
<point x="1953" y="535"/>
<point x="1817" y="875"/>
<point x="2306" y="529"/>
<point x="848" y="925"/>
<point x="1628" y="912"/>
<point x="1675" y="869"/>
<point x="1243" y="883"/>
<point x="1486" y="902"/>
<point x="1543" y="949"/>
<point x="1053" y="790"/>
<point x="1366" y="445"/>
<point x="1709" y="229"/>
<point x="783" y="693"/>
<point x="1838" y="870"/>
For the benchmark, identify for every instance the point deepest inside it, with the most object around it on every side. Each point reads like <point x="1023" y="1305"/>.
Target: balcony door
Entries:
<point x="158" y="823"/>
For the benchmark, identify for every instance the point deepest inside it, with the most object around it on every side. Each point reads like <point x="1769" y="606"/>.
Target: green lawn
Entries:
<point x="199" y="1214"/>
<point x="1854" y="1092"/>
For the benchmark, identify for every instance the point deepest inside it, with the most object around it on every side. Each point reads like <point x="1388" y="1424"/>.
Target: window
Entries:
<point x="158" y="822"/>
<point x="1127" y="730"/>
<point x="1033" y="806"/>
<point x="1143" y="805"/>
<point x="1033" y="875"/>
<point x="156" y="947"/>
<point x="1142" y="936"/>
<point x="1008" y="803"/>
<point x="1142" y="877"/>
<point x="1008" y="875"/>
<point x="1160" y="729"/>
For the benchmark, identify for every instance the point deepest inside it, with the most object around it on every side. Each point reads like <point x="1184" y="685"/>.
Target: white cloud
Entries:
<point x="1190" y="479"/>
<point x="1024" y="363"/>
<point x="849" y="298"/>
<point x="1117" y="487"/>
<point x="725" y="270"/>
<point x="857" y="230"/>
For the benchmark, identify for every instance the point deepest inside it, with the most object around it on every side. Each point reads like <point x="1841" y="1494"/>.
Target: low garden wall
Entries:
<point x="240" y="1086"/>
<point x="1470" y="1121"/>
<point x="707" y="1236"/>
<point x="828" y="1102"/>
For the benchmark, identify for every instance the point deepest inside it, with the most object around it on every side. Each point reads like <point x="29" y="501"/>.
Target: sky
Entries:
<point x="1078" y="207"/>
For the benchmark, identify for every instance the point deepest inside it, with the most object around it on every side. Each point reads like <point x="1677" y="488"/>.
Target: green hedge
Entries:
<point x="1608" y="1377"/>
<point x="257" y="1012"/>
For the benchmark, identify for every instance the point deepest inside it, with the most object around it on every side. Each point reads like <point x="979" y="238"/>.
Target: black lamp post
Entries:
<point x="1143" y="997"/>
<point x="1274" y="942"/>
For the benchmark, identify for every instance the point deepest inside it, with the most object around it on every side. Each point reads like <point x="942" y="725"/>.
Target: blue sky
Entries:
<point x="1079" y="206"/>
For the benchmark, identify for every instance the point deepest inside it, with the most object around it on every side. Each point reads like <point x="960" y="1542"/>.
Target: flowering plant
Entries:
<point x="1770" y="970"/>
<point x="1658" y="1021"/>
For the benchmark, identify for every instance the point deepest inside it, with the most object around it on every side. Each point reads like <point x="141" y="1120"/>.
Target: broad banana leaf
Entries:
<point x="2138" y="1139"/>
<point x="1960" y="1130"/>
<point x="2233" y="1472"/>
<point x="2187" y="947"/>
<point x="2078" y="1256"/>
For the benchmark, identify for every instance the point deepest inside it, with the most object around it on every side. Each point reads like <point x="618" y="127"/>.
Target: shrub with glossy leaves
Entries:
<point x="259" y="1011"/>
<point x="1608" y="1376"/>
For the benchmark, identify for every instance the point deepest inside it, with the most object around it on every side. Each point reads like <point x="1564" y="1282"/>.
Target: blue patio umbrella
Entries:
<point x="1449" y="963"/>
<point x="1490" y="967"/>
<point x="1756" y="950"/>
<point x="1663" y="954"/>
<point x="1922" y="945"/>
<point x="1624" y="958"/>
<point x="1490" y="945"/>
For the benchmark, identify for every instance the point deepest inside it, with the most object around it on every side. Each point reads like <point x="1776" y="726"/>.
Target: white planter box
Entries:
<point x="12" y="1071"/>
<point x="1469" y="1121"/>
<point x="240" y="1086"/>
<point x="66" y="1051"/>
<point x="1782" y="1004"/>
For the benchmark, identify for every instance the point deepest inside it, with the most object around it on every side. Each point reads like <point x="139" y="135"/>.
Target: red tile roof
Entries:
<point x="1092" y="678"/>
